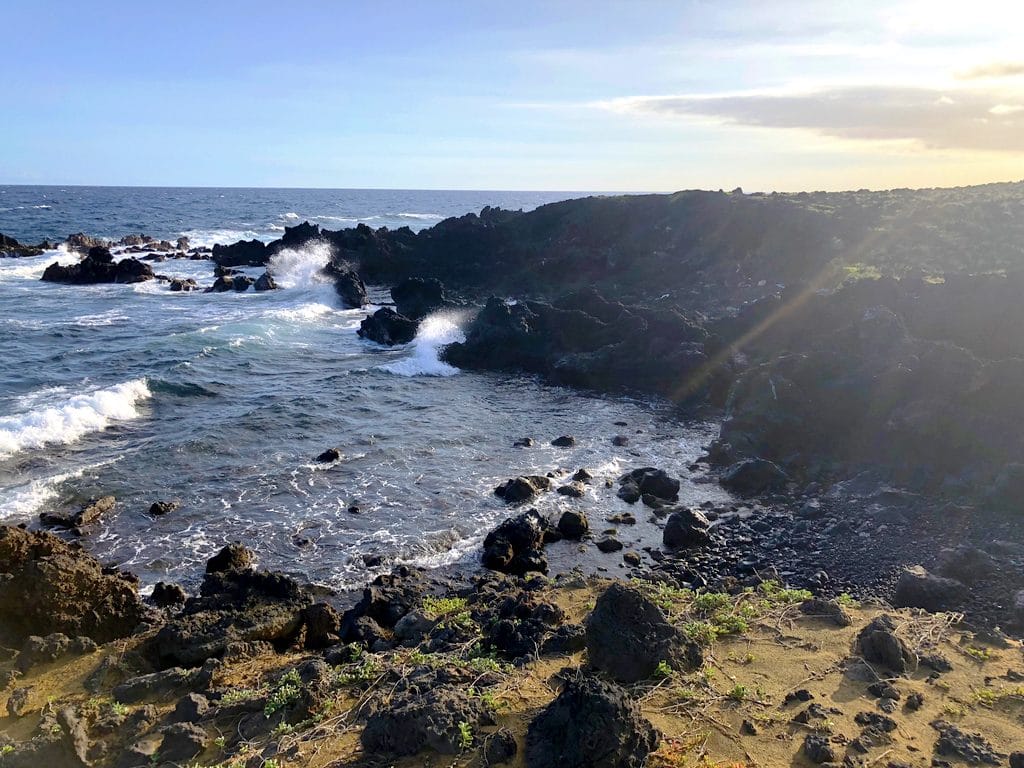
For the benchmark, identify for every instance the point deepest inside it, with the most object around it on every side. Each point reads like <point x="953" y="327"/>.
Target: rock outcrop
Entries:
<point x="99" y="267"/>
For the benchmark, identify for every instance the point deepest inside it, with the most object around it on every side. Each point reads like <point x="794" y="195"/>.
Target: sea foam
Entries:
<point x="435" y="332"/>
<point x="72" y="419"/>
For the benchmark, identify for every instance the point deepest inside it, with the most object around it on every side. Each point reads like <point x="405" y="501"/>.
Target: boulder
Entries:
<point x="575" y="490"/>
<point x="415" y="298"/>
<point x="329" y="456"/>
<point x="47" y="586"/>
<point x="417" y="717"/>
<point x="651" y="481"/>
<point x="233" y="557"/>
<point x="11" y="248"/>
<point x="515" y="545"/>
<point x="628" y="637"/>
<point x="161" y="508"/>
<point x="917" y="588"/>
<point x="753" y="477"/>
<point x="99" y="267"/>
<point x="878" y="643"/>
<point x="385" y="326"/>
<point x="238" y="282"/>
<point x="179" y="284"/>
<point x="590" y="724"/>
<point x="168" y="595"/>
<point x="573" y="525"/>
<point x="191" y="708"/>
<point x="686" y="528"/>
<point x="244" y="253"/>
<point x="90" y="513"/>
<point x="608" y="544"/>
<point x="967" y="564"/>
<point x="565" y="441"/>
<point x="348" y="284"/>
<point x="519" y="490"/>
<point x="182" y="742"/>
<point x="265" y="282"/>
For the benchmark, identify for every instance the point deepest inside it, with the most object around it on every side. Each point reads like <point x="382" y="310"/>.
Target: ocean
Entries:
<point x="222" y="401"/>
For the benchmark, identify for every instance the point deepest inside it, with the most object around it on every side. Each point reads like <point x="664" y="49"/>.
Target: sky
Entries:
<point x="549" y="95"/>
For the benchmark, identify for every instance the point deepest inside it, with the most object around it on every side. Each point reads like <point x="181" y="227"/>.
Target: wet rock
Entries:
<point x="11" y="248"/>
<point x="329" y="456"/>
<point x="90" y="513"/>
<point x="655" y="482"/>
<point x="524" y="442"/>
<point x="620" y="441"/>
<point x="573" y="525"/>
<point x="238" y="283"/>
<point x="686" y="528"/>
<point x="168" y="595"/>
<point x="160" y="508"/>
<point x="251" y="253"/>
<point x="522" y="489"/>
<point x="418" y="718"/>
<point x="416" y="298"/>
<point x="879" y="644"/>
<point x="182" y="742"/>
<point x="513" y="538"/>
<point x="47" y="586"/>
<point x="590" y="724"/>
<point x="385" y="326"/>
<point x="609" y="544"/>
<point x="565" y="441"/>
<point x="265" y="282"/>
<point x="575" y="490"/>
<point x="632" y="559"/>
<point x="98" y="267"/>
<point x="826" y="609"/>
<point x="233" y="557"/>
<point x="753" y="477"/>
<point x="917" y="588"/>
<point x="628" y="637"/>
<point x="971" y="747"/>
<point x="582" y="476"/>
<point x="629" y="493"/>
<point x="182" y="284"/>
<point x="818" y="749"/>
<point x="348" y="284"/>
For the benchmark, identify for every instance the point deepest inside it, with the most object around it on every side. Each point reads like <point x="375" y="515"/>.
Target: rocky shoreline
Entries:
<point x="860" y="353"/>
<point x="257" y="669"/>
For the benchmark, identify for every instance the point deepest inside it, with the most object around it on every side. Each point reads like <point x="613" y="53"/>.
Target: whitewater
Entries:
<point x="222" y="401"/>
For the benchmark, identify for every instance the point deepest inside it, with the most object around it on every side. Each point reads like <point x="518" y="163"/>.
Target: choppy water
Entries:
<point x="223" y="400"/>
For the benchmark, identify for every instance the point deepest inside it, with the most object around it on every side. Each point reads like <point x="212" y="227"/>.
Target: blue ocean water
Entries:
<point x="221" y="401"/>
<point x="209" y="215"/>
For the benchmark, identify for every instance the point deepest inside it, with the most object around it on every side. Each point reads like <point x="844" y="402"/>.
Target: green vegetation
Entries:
<point x="663" y="670"/>
<point x="465" y="735"/>
<point x="738" y="692"/>
<point x="284" y="694"/>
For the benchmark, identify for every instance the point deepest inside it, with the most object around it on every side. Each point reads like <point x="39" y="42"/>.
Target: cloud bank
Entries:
<point x="932" y="118"/>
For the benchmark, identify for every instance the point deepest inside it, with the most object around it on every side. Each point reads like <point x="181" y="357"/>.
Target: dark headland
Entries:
<point x="859" y="604"/>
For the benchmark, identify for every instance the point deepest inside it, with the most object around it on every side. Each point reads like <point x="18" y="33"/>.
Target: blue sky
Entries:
<point x="513" y="95"/>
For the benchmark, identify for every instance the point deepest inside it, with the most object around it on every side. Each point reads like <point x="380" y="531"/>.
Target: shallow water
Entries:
<point x="222" y="400"/>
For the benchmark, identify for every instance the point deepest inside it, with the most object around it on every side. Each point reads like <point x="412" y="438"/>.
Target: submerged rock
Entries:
<point x="90" y="513"/>
<point x="590" y="724"/>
